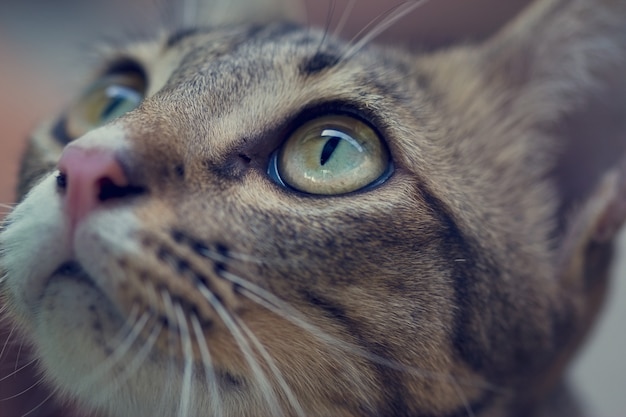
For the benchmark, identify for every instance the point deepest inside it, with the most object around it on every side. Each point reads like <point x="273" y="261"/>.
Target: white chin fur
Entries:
<point x="34" y="245"/>
<point x="74" y="325"/>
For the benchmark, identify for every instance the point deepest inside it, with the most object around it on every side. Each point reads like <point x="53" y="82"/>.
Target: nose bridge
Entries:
<point x="107" y="165"/>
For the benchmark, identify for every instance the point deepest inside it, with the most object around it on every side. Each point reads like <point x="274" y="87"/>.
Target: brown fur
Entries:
<point x="463" y="284"/>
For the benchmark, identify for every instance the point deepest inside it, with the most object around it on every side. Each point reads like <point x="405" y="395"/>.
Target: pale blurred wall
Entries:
<point x="45" y="53"/>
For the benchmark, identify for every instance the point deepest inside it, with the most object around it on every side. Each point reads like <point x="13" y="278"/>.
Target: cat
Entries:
<point x="255" y="218"/>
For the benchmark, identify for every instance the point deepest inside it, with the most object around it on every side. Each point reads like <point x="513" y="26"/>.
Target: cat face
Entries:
<point x="265" y="221"/>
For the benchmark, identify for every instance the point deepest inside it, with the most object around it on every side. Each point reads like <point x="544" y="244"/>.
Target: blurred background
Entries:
<point x="46" y="52"/>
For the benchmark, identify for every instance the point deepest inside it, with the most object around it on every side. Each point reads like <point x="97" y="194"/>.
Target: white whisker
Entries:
<point x="6" y="342"/>
<point x="17" y="357"/>
<point x="209" y="370"/>
<point x="19" y="394"/>
<point x="344" y="18"/>
<point x="134" y="364"/>
<point x="259" y="375"/>
<point x="21" y="368"/>
<point x="38" y="406"/>
<point x="172" y="369"/>
<point x="293" y="401"/>
<point x="279" y="307"/>
<point x="329" y="19"/>
<point x="185" y="393"/>
<point x="463" y="398"/>
<point x="390" y="18"/>
<point x="120" y="351"/>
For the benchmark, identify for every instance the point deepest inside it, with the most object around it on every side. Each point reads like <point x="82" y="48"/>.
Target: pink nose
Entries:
<point x="88" y="177"/>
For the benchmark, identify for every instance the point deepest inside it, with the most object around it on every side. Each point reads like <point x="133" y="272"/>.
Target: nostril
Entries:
<point x="108" y="190"/>
<point x="88" y="177"/>
<point x="62" y="180"/>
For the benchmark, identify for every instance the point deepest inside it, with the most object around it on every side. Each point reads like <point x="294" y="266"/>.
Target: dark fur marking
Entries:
<point x="179" y="36"/>
<point x="164" y="321"/>
<point x="59" y="132"/>
<point x="333" y="310"/>
<point x="395" y="399"/>
<point x="319" y="62"/>
<point x="97" y="326"/>
<point x="465" y="344"/>
<point x="275" y="32"/>
<point x="222" y="250"/>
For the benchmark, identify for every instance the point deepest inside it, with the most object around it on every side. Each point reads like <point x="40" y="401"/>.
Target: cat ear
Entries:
<point x="560" y="64"/>
<point x="225" y="12"/>
<point x="555" y="49"/>
<point x="591" y="231"/>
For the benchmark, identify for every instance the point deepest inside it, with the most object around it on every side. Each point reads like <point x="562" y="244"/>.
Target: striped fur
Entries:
<point x="461" y="286"/>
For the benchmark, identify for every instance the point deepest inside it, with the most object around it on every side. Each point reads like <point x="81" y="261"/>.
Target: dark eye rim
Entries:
<point x="333" y="108"/>
<point x="120" y="66"/>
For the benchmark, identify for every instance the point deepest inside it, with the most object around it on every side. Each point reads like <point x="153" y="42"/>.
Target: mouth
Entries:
<point x="72" y="270"/>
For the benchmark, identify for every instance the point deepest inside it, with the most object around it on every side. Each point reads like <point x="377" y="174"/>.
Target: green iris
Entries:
<point x="107" y="99"/>
<point x="332" y="155"/>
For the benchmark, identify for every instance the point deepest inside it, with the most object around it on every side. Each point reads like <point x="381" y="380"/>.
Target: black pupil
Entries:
<point x="108" y="110"/>
<point x="329" y="149"/>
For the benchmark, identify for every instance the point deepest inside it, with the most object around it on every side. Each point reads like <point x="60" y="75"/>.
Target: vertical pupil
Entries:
<point x="113" y="104"/>
<point x="329" y="149"/>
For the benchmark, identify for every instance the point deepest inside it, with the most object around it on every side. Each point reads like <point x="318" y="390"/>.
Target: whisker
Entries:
<point x="259" y="375"/>
<point x="33" y="386"/>
<point x="21" y="368"/>
<point x="114" y="358"/>
<point x="344" y="18"/>
<point x="379" y="26"/>
<point x="38" y="406"/>
<point x="19" y="352"/>
<point x="6" y="342"/>
<point x="386" y="362"/>
<point x="171" y="343"/>
<point x="134" y="364"/>
<point x="279" y="307"/>
<point x="293" y="401"/>
<point x="129" y="322"/>
<point x="8" y="206"/>
<point x="329" y="19"/>
<point x="208" y="367"/>
<point x="463" y="398"/>
<point x="185" y="393"/>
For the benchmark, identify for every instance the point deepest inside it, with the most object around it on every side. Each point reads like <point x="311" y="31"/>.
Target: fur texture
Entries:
<point x="462" y="285"/>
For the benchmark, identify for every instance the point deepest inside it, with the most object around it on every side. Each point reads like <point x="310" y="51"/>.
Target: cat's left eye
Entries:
<point x="332" y="155"/>
<point x="107" y="99"/>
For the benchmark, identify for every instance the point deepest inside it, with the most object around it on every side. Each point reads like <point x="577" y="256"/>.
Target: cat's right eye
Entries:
<point x="332" y="155"/>
<point x="107" y="99"/>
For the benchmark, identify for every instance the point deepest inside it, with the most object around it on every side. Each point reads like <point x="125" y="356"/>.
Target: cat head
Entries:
<point x="263" y="220"/>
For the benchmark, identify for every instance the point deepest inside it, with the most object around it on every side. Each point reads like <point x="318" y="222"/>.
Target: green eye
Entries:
<point x="107" y="99"/>
<point x="332" y="155"/>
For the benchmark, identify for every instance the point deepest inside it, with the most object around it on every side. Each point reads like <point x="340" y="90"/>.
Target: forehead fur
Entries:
<point x="239" y="84"/>
<point x="220" y="90"/>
